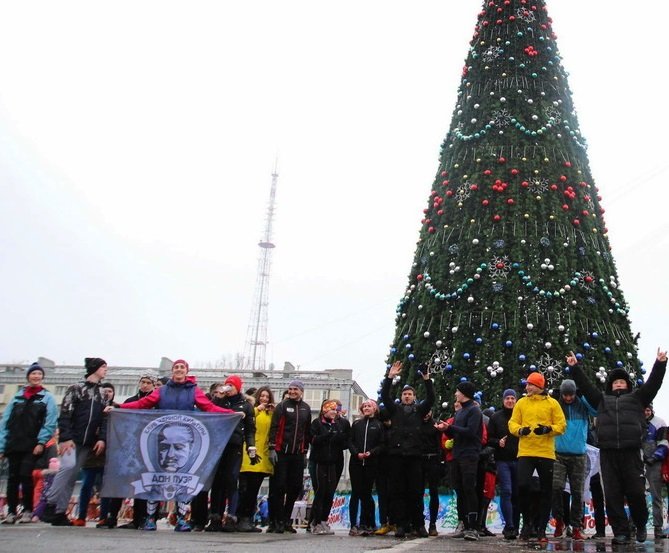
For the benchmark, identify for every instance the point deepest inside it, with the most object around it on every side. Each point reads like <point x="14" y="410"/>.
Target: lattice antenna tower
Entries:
<point x="256" y="335"/>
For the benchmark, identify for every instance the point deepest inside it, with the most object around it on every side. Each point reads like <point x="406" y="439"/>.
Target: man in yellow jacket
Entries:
<point x="536" y="420"/>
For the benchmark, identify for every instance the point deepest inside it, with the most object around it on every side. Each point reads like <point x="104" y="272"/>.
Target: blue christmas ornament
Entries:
<point x="479" y="341"/>
<point x="586" y="345"/>
<point x="522" y="358"/>
<point x="466" y="355"/>
<point x="620" y="364"/>
<point x="406" y="337"/>
<point x="408" y="346"/>
<point x="579" y="356"/>
<point x="449" y="367"/>
<point x="642" y="371"/>
<point x="639" y="381"/>
<point x="411" y="357"/>
<point x="494" y="326"/>
<point x="393" y="350"/>
<point x="533" y="367"/>
<point x="397" y="401"/>
<point x="508" y="343"/>
<point x="594" y="335"/>
<point x="607" y="350"/>
<point x="463" y="379"/>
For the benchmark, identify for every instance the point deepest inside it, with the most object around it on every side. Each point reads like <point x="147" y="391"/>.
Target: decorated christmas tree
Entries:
<point x="513" y="268"/>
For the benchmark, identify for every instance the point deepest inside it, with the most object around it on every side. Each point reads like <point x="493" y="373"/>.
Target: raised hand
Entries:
<point x="395" y="369"/>
<point x="661" y="355"/>
<point x="571" y="359"/>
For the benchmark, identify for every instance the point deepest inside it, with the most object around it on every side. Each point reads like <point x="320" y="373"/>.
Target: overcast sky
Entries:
<point x="138" y="139"/>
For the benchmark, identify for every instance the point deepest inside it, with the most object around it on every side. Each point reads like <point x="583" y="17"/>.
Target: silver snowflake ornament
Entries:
<point x="500" y="266"/>
<point x="550" y="368"/>
<point x="439" y="361"/>
<point x="526" y="15"/>
<point x="537" y="185"/>
<point x="501" y="117"/>
<point x="492" y="53"/>
<point x="463" y="192"/>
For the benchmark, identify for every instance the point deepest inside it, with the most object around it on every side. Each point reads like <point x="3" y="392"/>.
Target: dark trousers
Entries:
<point x="362" y="483"/>
<point x="465" y="476"/>
<point x="324" y="488"/>
<point x="597" y="494"/>
<point x="249" y="486"/>
<point x="224" y="489"/>
<point x="20" y="473"/>
<point x="623" y="478"/>
<point x="544" y="468"/>
<point x="199" y="509"/>
<point x="406" y="490"/>
<point x="433" y="472"/>
<point x="507" y="480"/>
<point x="286" y="485"/>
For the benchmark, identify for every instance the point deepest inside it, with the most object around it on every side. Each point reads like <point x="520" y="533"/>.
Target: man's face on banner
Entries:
<point x="174" y="447"/>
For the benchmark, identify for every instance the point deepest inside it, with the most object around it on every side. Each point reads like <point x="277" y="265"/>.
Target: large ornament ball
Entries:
<point x="426" y="334"/>
<point x="420" y="306"/>
<point x="561" y="328"/>
<point x="454" y="329"/>
<point x="444" y="405"/>
<point x="530" y="326"/>
<point x="548" y="345"/>
<point x="466" y="355"/>
<point x="411" y="357"/>
<point x="439" y="343"/>
<point x="470" y="299"/>
<point x="508" y="343"/>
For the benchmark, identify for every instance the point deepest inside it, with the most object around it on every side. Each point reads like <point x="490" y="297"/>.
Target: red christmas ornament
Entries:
<point x="487" y="172"/>
<point x="497" y="218"/>
<point x="510" y="201"/>
<point x="419" y="277"/>
<point x="514" y="172"/>
<point x="431" y="230"/>
<point x="444" y="183"/>
<point x="554" y="187"/>
<point x="565" y="207"/>
<point x="501" y="160"/>
<point x="485" y="203"/>
<point x="576" y="222"/>
<point x="440" y="212"/>
<point x="567" y="163"/>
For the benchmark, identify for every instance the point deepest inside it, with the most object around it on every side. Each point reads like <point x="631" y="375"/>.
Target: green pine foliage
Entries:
<point x="513" y="268"/>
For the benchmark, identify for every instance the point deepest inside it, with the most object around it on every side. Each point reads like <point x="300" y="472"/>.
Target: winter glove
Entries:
<point x="541" y="429"/>
<point x="253" y="456"/>
<point x="273" y="457"/>
<point x="524" y="431"/>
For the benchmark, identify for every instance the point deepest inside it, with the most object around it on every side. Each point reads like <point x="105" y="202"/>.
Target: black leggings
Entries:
<point x="544" y="468"/>
<point x="249" y="486"/>
<point x="362" y="483"/>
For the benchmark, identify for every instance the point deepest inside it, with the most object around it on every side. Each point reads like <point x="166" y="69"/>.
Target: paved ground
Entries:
<point x="45" y="538"/>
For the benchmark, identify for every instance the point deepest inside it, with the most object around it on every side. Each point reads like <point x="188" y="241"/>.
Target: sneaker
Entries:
<point x="214" y="524"/>
<point x="559" y="529"/>
<point x="400" y="532"/>
<point x="79" y="522"/>
<point x="128" y="526"/>
<point x="659" y="533"/>
<point x="101" y="524"/>
<point x="26" y="517"/>
<point x="182" y="525"/>
<point x="244" y="525"/>
<point x="471" y="535"/>
<point x="487" y="533"/>
<point x="230" y="524"/>
<point x="366" y="531"/>
<point x="421" y="532"/>
<point x="384" y="529"/>
<point x="354" y="531"/>
<point x="149" y="524"/>
<point x="509" y="533"/>
<point x="279" y="528"/>
<point x="576" y="534"/>
<point x="61" y="519"/>
<point x="641" y="534"/>
<point x="433" y="530"/>
<point x="270" y="528"/>
<point x="525" y="534"/>
<point x="320" y="530"/>
<point x="289" y="529"/>
<point x="11" y="518"/>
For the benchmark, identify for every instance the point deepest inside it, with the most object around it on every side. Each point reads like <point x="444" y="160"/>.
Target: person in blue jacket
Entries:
<point x="571" y="460"/>
<point x="28" y="423"/>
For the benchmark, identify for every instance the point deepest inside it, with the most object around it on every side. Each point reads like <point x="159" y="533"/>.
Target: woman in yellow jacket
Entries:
<point x="536" y="420"/>
<point x="254" y="471"/>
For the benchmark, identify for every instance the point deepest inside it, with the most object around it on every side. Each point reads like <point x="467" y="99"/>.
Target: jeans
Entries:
<point x="507" y="480"/>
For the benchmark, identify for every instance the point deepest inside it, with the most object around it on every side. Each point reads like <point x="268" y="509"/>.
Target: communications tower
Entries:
<point x="256" y="335"/>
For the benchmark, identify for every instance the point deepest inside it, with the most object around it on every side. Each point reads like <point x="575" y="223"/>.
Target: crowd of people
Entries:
<point x="531" y="452"/>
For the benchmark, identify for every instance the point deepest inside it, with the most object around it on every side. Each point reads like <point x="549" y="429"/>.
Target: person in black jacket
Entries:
<point x="620" y="429"/>
<point x="288" y="443"/>
<point x="82" y="429"/>
<point x="506" y="460"/>
<point x="466" y="431"/>
<point x="328" y="440"/>
<point x="404" y="452"/>
<point x="224" y="489"/>
<point x="433" y="468"/>
<point x="28" y="423"/>
<point x="365" y="445"/>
